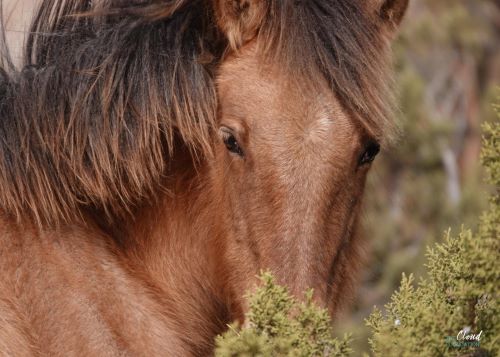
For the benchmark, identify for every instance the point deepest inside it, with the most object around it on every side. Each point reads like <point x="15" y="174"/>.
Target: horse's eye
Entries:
<point x="368" y="155"/>
<point x="231" y="143"/>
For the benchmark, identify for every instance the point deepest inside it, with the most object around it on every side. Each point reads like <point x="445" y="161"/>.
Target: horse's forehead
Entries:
<point x="249" y="89"/>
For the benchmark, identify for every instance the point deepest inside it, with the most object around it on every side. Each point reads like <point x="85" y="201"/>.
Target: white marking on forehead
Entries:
<point x="323" y="123"/>
<point x="319" y="128"/>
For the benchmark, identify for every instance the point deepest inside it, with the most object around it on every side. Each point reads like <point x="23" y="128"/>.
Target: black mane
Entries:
<point x="90" y="118"/>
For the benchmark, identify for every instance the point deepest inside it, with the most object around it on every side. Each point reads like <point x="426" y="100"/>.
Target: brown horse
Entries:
<point x="156" y="155"/>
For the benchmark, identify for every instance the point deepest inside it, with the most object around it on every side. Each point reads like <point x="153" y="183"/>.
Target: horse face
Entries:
<point x="292" y="165"/>
<point x="292" y="155"/>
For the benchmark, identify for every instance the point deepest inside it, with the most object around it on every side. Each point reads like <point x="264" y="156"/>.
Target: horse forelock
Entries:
<point x="340" y="42"/>
<point x="106" y="86"/>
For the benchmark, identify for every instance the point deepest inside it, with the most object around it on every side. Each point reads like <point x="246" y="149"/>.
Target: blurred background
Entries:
<point x="447" y="60"/>
<point x="17" y="15"/>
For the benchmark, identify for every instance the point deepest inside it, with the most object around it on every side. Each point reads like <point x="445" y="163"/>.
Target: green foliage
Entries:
<point x="431" y="179"/>
<point x="460" y="292"/>
<point x="278" y="325"/>
<point x="491" y="150"/>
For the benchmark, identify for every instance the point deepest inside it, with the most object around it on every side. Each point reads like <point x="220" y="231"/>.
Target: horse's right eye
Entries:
<point x="230" y="142"/>
<point x="368" y="155"/>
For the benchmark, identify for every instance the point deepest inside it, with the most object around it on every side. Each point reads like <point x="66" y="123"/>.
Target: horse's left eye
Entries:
<point x="231" y="143"/>
<point x="368" y="155"/>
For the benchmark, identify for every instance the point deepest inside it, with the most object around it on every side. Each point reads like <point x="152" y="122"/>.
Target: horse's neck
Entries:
<point x="178" y="246"/>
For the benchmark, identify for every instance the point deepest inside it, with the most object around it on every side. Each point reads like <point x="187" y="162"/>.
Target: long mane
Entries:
<point x="92" y="117"/>
<point x="108" y="88"/>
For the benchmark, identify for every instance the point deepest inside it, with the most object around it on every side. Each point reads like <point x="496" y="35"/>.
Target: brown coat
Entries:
<point x="154" y="158"/>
